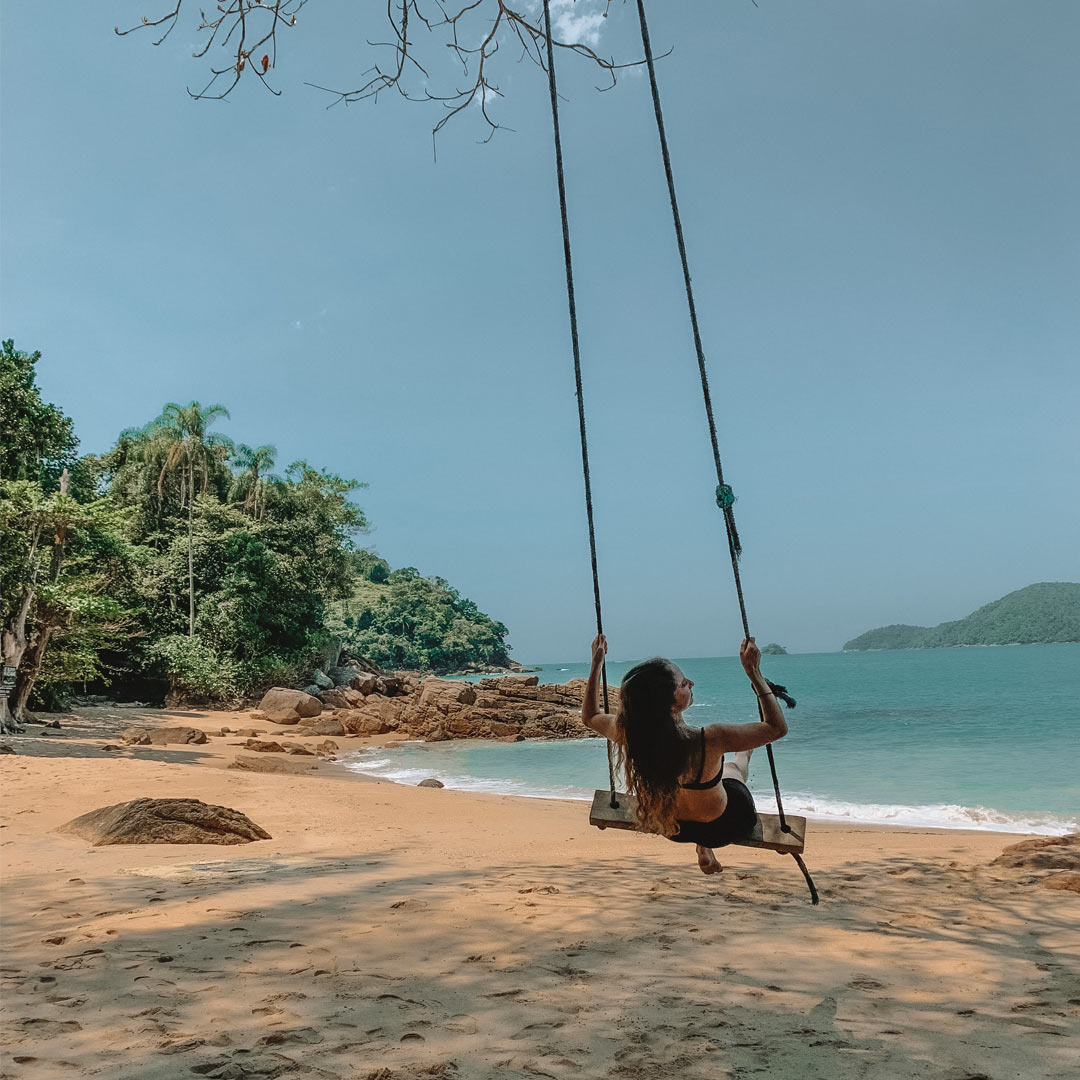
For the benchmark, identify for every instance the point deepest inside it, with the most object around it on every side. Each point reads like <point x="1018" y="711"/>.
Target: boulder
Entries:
<point x="365" y="683"/>
<point x="323" y="681"/>
<point x="5" y="749"/>
<point x="254" y="763"/>
<point x="362" y="724"/>
<point x="283" y="706"/>
<point x="250" y="731"/>
<point x="162" y="736"/>
<point x="1042" y="853"/>
<point x="507" y="684"/>
<point x="338" y="697"/>
<point x="313" y="689"/>
<point x="1071" y="882"/>
<point x="321" y="727"/>
<point x="438" y="735"/>
<point x="327" y="746"/>
<point x="263" y="746"/>
<point x="165" y="821"/>
<point x="431" y="782"/>
<point x="346" y="675"/>
<point x="296" y="748"/>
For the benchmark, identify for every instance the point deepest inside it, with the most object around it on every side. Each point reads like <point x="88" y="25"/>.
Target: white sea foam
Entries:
<point x="814" y="807"/>
<point x="937" y="816"/>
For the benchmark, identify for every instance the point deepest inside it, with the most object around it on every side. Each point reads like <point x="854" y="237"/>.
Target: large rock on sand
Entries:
<point x="165" y="821"/>
<point x="288" y="706"/>
<point x="1071" y="882"/>
<point x="162" y="736"/>
<point x="256" y="763"/>
<point x="1043" y="853"/>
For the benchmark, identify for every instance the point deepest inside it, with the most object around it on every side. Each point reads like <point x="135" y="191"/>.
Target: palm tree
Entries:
<point x="251" y="486"/>
<point x="180" y="444"/>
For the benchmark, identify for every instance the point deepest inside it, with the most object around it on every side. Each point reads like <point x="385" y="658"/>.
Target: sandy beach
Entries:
<point x="390" y="932"/>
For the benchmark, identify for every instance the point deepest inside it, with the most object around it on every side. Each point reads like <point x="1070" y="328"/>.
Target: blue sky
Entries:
<point x="881" y="213"/>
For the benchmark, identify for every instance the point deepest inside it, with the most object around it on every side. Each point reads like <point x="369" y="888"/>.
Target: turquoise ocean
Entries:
<point x="968" y="738"/>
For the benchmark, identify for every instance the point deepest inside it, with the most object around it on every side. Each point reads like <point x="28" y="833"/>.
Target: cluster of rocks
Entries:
<point x="508" y="707"/>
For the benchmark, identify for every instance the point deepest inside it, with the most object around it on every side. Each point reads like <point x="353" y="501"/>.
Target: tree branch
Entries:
<point x="472" y="30"/>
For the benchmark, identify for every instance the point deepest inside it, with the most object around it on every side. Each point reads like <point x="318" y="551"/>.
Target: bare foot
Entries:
<point x="707" y="860"/>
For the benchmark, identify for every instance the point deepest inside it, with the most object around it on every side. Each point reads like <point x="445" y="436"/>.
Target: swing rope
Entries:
<point x="725" y="497"/>
<point x="572" y="305"/>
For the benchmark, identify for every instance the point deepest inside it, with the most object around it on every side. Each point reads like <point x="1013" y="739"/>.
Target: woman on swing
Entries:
<point x="684" y="788"/>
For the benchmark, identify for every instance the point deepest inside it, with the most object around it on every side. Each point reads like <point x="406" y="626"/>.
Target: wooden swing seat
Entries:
<point x="766" y="833"/>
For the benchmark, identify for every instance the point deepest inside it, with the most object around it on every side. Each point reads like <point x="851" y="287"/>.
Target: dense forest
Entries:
<point x="1046" y="612"/>
<point x="179" y="562"/>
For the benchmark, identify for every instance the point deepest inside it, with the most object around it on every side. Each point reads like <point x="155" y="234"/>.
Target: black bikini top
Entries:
<point x="698" y="784"/>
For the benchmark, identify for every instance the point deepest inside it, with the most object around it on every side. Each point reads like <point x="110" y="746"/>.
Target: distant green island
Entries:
<point x="772" y="649"/>
<point x="1039" y="614"/>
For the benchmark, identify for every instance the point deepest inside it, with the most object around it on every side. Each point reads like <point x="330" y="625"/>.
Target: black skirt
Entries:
<point x="736" y="823"/>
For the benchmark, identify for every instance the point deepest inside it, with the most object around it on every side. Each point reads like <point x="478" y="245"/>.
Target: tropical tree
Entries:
<point x="36" y="439"/>
<point x="252" y="485"/>
<point x="189" y="455"/>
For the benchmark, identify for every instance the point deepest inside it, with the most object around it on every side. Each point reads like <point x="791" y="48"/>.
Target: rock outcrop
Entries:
<point x="271" y="764"/>
<point x="509" y="707"/>
<point x="289" y="706"/>
<point x="165" y="821"/>
<point x="1070" y="882"/>
<point x="1042" y="853"/>
<point x="162" y="736"/>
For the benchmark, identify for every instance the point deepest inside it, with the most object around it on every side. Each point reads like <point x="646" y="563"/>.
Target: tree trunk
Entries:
<point x="28" y="673"/>
<point x="13" y="642"/>
<point x="37" y="642"/>
<point x="190" y="552"/>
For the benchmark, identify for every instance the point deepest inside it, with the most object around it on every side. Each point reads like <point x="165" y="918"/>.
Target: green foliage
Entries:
<point x="1045" y="612"/>
<point x="180" y="558"/>
<point x="772" y="649"/>
<point x="36" y="439"/>
<point x="194" y="669"/>
<point x="409" y="621"/>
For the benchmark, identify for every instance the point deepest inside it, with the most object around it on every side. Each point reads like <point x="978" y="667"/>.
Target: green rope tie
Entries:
<point x="725" y="499"/>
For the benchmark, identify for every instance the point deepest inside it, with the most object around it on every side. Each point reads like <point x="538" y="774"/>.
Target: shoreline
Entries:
<point x="1018" y="822"/>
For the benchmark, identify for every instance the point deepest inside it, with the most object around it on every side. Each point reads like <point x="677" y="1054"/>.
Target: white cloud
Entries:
<point x="578" y="22"/>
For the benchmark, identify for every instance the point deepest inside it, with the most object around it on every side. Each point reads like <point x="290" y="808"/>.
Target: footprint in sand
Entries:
<point x="462" y="1024"/>
<point x="538" y="1028"/>
<point x="291" y="1037"/>
<point x="38" y="1026"/>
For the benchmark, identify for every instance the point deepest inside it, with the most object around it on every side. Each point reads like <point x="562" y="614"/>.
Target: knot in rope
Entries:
<point x="781" y="692"/>
<point x="725" y="499"/>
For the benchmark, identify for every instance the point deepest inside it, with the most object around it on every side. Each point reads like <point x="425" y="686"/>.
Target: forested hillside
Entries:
<point x="180" y="561"/>
<point x="1046" y="612"/>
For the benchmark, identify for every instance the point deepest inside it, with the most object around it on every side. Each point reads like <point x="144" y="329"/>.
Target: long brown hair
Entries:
<point x="651" y="751"/>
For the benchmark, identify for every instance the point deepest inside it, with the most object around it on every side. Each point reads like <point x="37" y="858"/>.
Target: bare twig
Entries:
<point x="472" y="30"/>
